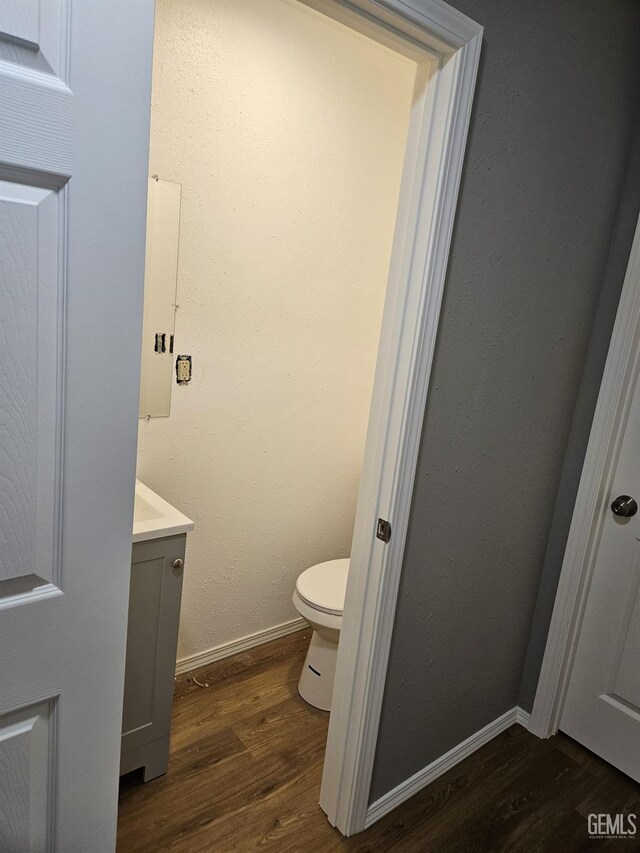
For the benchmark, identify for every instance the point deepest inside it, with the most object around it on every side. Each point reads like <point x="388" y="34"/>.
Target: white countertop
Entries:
<point x="154" y="518"/>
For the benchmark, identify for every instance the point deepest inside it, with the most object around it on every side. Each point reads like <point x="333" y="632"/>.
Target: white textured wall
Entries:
<point x="287" y="134"/>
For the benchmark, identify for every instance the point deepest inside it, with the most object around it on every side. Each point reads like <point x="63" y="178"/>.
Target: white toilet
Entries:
<point x="319" y="598"/>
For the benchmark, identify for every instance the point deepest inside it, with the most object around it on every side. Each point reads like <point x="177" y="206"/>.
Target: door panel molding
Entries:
<point x="624" y="670"/>
<point x="35" y="34"/>
<point x="32" y="354"/>
<point x="28" y="746"/>
<point x="446" y="46"/>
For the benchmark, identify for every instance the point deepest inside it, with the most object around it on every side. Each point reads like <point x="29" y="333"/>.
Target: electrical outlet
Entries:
<point x="183" y="369"/>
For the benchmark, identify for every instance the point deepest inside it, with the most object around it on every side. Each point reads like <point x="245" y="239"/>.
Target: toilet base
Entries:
<point x="318" y="673"/>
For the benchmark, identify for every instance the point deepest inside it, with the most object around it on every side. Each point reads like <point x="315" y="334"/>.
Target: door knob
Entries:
<point x="624" y="506"/>
<point x="178" y="564"/>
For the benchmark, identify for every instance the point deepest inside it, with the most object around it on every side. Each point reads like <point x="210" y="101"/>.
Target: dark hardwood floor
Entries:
<point x="246" y="763"/>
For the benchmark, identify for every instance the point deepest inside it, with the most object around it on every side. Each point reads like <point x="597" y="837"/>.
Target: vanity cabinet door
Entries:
<point x="152" y="638"/>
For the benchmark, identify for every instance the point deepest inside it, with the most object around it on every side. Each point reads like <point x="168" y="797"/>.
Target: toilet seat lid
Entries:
<point x="323" y="586"/>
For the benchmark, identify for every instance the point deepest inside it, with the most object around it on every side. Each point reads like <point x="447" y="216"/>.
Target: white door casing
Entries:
<point x="600" y="569"/>
<point x="446" y="45"/>
<point x="74" y="113"/>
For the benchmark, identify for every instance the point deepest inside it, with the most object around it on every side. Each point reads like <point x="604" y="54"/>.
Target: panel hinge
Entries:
<point x="383" y="530"/>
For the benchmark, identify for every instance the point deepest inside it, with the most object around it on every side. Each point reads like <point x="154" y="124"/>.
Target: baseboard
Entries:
<point x="237" y="646"/>
<point x="430" y="773"/>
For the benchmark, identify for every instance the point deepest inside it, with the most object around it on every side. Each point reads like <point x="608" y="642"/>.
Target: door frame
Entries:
<point x="592" y="502"/>
<point x="446" y="44"/>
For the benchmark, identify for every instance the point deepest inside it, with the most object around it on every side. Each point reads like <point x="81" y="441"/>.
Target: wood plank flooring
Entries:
<point x="246" y="764"/>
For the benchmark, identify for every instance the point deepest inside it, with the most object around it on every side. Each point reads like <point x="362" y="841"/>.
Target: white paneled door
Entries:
<point x="602" y="708"/>
<point x="74" y="107"/>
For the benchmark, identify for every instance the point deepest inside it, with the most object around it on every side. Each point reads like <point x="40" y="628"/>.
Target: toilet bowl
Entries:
<point x="319" y="598"/>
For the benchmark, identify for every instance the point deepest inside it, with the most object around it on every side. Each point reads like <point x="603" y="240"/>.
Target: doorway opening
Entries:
<point x="317" y="151"/>
<point x="286" y="133"/>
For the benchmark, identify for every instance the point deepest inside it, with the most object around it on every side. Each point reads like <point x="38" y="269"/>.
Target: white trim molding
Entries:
<point x="225" y="650"/>
<point x="446" y="46"/>
<point x="432" y="771"/>
<point x="607" y="432"/>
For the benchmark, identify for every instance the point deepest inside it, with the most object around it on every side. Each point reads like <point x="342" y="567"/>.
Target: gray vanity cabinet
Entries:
<point x="152" y="638"/>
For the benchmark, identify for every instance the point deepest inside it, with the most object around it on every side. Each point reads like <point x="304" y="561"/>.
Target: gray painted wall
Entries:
<point x="581" y="424"/>
<point x="553" y="121"/>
